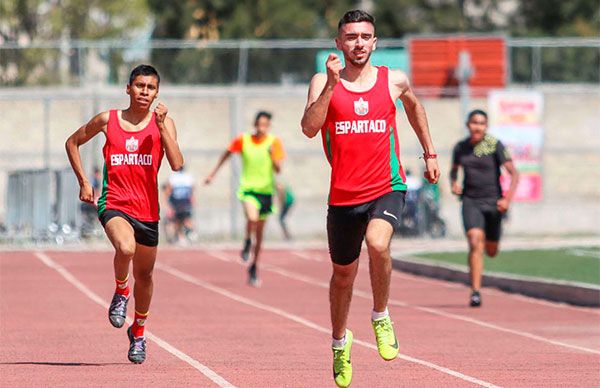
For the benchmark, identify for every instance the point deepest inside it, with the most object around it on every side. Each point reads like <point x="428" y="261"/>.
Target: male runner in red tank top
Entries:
<point x="136" y="140"/>
<point x="354" y="109"/>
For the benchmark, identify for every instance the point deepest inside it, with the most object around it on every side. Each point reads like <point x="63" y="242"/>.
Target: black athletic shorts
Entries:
<point x="264" y="202"/>
<point x="482" y="213"/>
<point x="347" y="225"/>
<point x="183" y="215"/>
<point x="145" y="233"/>
<point x="183" y="209"/>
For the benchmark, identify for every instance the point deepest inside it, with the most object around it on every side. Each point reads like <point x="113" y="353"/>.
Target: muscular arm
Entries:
<point x="400" y="88"/>
<point x="81" y="136"/>
<point x="168" y="137"/>
<point x="319" y="96"/>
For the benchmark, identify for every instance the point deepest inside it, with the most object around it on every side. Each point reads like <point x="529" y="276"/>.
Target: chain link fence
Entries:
<point x="214" y="89"/>
<point x="36" y="123"/>
<point x="83" y="63"/>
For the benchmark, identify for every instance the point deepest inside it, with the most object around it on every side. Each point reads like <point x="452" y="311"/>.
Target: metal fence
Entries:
<point x="36" y="123"/>
<point x="40" y="206"/>
<point x="213" y="89"/>
<point x="192" y="62"/>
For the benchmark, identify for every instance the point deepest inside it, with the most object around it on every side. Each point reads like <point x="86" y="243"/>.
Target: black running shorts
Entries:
<point x="347" y="225"/>
<point x="145" y="233"/>
<point x="482" y="213"/>
<point x="263" y="202"/>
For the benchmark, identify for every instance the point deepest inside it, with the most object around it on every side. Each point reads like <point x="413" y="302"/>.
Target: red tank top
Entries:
<point x="361" y="143"/>
<point x="131" y="163"/>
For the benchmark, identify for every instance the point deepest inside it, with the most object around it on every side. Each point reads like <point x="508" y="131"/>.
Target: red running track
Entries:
<point x="208" y="328"/>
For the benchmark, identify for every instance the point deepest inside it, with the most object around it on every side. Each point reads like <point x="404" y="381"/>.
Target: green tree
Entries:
<point x="252" y="19"/>
<point x="44" y="20"/>
<point x="557" y="18"/>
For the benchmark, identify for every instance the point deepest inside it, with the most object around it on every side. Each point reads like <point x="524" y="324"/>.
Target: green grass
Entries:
<point x="571" y="264"/>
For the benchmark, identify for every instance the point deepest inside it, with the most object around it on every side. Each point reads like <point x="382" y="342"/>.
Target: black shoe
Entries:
<point x="252" y="276"/>
<point x="245" y="253"/>
<point x="475" y="299"/>
<point x="137" y="348"/>
<point x="118" y="310"/>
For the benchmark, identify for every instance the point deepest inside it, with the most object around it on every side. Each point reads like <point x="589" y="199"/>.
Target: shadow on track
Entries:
<point x="48" y="363"/>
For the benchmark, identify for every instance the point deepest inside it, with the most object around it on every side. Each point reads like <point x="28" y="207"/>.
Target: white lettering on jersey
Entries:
<point x="359" y="126"/>
<point x="131" y="160"/>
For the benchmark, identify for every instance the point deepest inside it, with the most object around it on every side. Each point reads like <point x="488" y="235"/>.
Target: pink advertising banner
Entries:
<point x="516" y="119"/>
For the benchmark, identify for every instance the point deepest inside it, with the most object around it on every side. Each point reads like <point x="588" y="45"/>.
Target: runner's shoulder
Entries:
<point x="492" y="141"/>
<point x="491" y="138"/>
<point x="102" y="117"/>
<point x="397" y="76"/>
<point x="100" y="121"/>
<point x="462" y="142"/>
<point x="318" y="79"/>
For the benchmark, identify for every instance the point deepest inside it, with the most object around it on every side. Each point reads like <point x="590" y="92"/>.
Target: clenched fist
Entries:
<point x="161" y="113"/>
<point x="432" y="171"/>
<point x="334" y="66"/>
<point x="86" y="193"/>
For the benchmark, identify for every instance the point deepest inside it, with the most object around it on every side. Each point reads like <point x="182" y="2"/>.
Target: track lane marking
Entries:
<point x="305" y="322"/>
<point x="69" y="277"/>
<point x="446" y="284"/>
<point x="367" y="295"/>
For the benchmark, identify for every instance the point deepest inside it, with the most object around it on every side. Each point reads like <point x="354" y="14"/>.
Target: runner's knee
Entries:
<point x="476" y="239"/>
<point x="125" y="249"/>
<point x="343" y="275"/>
<point x="378" y="246"/>
<point x="143" y="276"/>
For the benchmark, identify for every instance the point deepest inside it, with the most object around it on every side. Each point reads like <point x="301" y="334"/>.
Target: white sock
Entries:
<point x="375" y="315"/>
<point x="338" y="343"/>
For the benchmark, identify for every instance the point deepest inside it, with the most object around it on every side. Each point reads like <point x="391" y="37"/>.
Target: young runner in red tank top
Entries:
<point x="132" y="160"/>
<point x="353" y="107"/>
<point x="136" y="140"/>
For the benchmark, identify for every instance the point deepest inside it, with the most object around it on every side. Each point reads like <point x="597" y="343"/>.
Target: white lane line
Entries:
<point x="305" y="322"/>
<point x="446" y="284"/>
<point x="206" y="371"/>
<point x="367" y="295"/>
<point x="306" y="256"/>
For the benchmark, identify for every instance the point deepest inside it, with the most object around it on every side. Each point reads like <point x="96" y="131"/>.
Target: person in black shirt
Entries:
<point x="483" y="205"/>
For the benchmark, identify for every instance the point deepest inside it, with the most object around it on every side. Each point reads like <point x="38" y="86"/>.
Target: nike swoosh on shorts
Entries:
<point x="386" y="213"/>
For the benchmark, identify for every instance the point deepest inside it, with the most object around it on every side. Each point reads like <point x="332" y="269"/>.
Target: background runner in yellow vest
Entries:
<point x="262" y="154"/>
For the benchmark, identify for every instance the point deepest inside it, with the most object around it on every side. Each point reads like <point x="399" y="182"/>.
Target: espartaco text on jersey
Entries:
<point x="131" y="159"/>
<point x="360" y="126"/>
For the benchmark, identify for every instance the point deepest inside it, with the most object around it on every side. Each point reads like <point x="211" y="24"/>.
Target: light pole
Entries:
<point x="463" y="73"/>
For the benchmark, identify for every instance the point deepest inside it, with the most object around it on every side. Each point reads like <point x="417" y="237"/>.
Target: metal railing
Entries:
<point x="80" y="62"/>
<point x="40" y="206"/>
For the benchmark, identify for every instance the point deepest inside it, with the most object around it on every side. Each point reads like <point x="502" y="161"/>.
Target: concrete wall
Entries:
<point x="207" y="118"/>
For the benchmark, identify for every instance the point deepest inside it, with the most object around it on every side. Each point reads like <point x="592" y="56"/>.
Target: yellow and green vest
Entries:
<point x="257" y="166"/>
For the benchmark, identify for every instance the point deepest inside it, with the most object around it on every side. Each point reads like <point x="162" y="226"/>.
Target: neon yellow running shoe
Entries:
<point x="342" y="368"/>
<point x="387" y="343"/>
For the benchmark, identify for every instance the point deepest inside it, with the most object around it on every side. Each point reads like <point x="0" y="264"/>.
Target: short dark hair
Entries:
<point x="476" y="112"/>
<point x="143" y="70"/>
<point x="356" y="16"/>
<point x="262" y="113"/>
